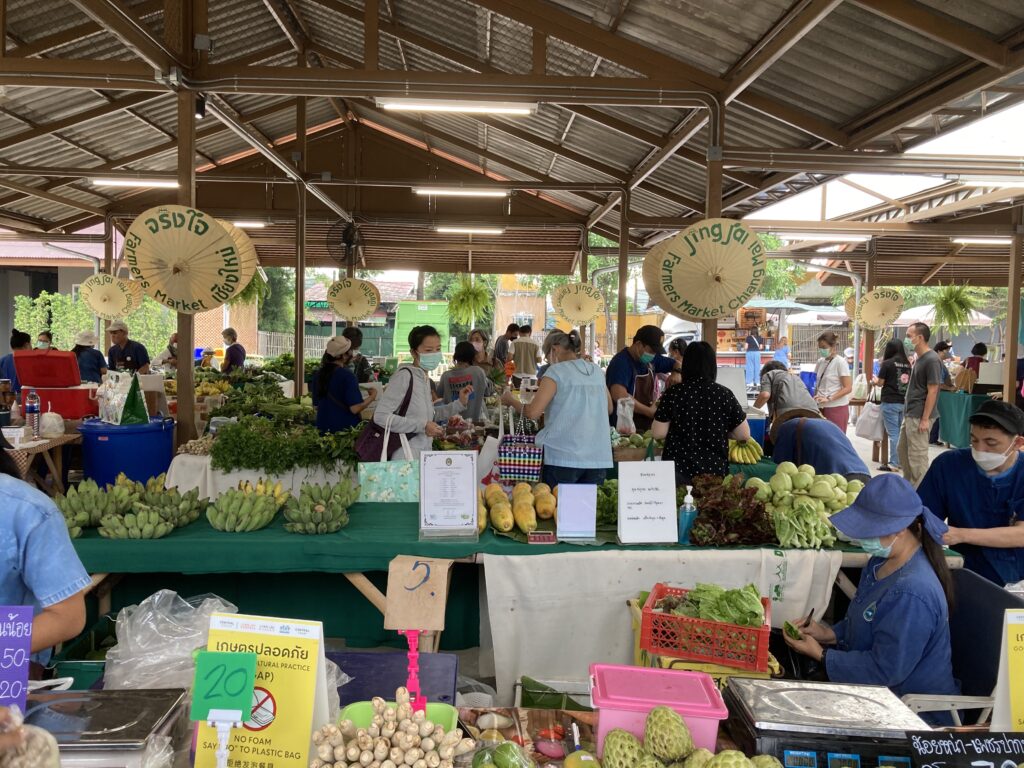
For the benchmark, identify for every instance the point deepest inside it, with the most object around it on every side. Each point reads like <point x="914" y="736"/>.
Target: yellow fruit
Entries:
<point x="525" y="497"/>
<point x="481" y="517"/>
<point x="501" y="517"/>
<point x="520" y="487"/>
<point x="541" y="488"/>
<point x="545" y="506"/>
<point x="525" y="517"/>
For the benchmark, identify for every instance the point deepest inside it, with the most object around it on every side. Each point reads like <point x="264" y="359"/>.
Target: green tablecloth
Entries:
<point x="955" y="410"/>
<point x="764" y="469"/>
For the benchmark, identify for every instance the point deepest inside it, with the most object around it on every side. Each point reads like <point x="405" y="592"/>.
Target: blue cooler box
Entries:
<point x="141" y="451"/>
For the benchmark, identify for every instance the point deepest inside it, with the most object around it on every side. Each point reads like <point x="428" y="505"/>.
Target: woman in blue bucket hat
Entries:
<point x="896" y="632"/>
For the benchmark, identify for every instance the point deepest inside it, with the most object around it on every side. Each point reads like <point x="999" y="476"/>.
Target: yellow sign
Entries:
<point x="707" y="271"/>
<point x="1015" y="652"/>
<point x="290" y="697"/>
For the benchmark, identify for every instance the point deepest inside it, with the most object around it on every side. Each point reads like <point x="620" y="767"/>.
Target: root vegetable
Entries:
<point x="373" y="731"/>
<point x="404" y="711"/>
<point x="319" y="737"/>
<point x="413" y="755"/>
<point x="401" y="695"/>
<point x="388" y="730"/>
<point x="325" y="752"/>
<point x="381" y="747"/>
<point x="426" y="728"/>
<point x="428" y="745"/>
<point x="433" y="760"/>
<point x="334" y="737"/>
<point x="340" y="754"/>
<point x="365" y="757"/>
<point x="397" y="755"/>
<point x="447" y="764"/>
<point x="388" y="764"/>
<point x="317" y="763"/>
<point x="390" y="715"/>
<point x="464" y="746"/>
<point x="374" y="764"/>
<point x="446" y="751"/>
<point x="347" y="728"/>
<point x="354" y="765"/>
<point x="364" y="740"/>
<point x="352" y="753"/>
<point x="378" y="704"/>
<point x="421" y="763"/>
<point x="490" y="720"/>
<point x="419" y="715"/>
<point x="438" y="733"/>
<point x="451" y="738"/>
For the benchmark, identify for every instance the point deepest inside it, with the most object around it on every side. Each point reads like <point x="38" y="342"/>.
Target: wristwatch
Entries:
<point x="822" y="659"/>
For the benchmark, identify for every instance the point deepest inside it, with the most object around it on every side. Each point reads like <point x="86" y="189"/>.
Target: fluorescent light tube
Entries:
<point x="470" y="230"/>
<point x="824" y="236"/>
<point x="988" y="181"/>
<point x="460" y="192"/>
<point x="982" y="240"/>
<point x="456" y="105"/>
<point x="140" y="182"/>
<point x="250" y="224"/>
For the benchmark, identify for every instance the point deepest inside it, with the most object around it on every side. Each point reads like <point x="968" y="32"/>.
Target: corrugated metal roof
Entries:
<point x="996" y="17"/>
<point x="29" y="20"/>
<point x="239" y="27"/>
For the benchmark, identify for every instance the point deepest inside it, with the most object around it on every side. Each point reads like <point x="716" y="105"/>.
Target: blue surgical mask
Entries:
<point x="42" y="345"/>
<point x="908" y="345"/>
<point x="874" y="548"/>
<point x="430" y="360"/>
<point x="646" y="358"/>
<point x="823" y="353"/>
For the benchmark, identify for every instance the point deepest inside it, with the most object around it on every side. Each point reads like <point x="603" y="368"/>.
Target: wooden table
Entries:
<point x="51" y="451"/>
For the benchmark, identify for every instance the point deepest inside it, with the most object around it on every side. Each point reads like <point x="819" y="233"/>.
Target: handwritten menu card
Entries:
<point x="647" y="502"/>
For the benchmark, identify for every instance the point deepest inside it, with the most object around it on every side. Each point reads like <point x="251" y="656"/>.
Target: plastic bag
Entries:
<point x="624" y="423"/>
<point x="335" y="679"/>
<point x="156" y="639"/>
<point x="37" y="748"/>
<point x="860" y="387"/>
<point x="51" y="424"/>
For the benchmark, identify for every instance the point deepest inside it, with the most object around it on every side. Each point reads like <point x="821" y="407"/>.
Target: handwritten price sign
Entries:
<point x="223" y="681"/>
<point x="417" y="593"/>
<point x="15" y="650"/>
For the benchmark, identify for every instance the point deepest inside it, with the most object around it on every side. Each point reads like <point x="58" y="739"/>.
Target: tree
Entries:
<point x="277" y="313"/>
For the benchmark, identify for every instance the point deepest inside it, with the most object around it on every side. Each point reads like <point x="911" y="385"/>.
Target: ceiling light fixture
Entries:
<point x="470" y="230"/>
<point x="982" y="240"/>
<point x="250" y="224"/>
<point x="456" y="105"/>
<point x="824" y="237"/>
<point x="200" y="106"/>
<point x="140" y="182"/>
<point x="460" y="192"/>
<point x="988" y="181"/>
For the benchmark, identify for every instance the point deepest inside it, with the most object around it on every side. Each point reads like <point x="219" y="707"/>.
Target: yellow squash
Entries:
<point x="501" y="517"/>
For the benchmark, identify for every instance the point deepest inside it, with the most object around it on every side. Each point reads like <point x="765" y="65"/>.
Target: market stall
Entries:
<point x="954" y="412"/>
<point x="188" y="472"/>
<point x="46" y="451"/>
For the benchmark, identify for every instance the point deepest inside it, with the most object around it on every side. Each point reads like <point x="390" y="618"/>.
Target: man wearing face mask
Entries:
<point x="922" y="397"/>
<point x="896" y="631"/>
<point x="631" y="373"/>
<point x="980" y="492"/>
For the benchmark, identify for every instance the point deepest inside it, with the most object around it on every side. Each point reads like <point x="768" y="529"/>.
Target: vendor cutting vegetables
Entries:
<point x="896" y="632"/>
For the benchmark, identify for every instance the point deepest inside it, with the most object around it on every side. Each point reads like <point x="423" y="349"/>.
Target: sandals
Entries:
<point x="888" y="468"/>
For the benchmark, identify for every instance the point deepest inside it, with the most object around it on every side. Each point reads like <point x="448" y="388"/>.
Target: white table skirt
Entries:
<point x="187" y="472"/>
<point x="551" y="616"/>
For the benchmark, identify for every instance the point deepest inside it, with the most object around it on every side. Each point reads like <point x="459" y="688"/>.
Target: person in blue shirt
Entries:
<point x="631" y="374"/>
<point x="753" y="360"/>
<point x="782" y="351"/>
<point x="91" y="363"/>
<point x="820" y="443"/>
<point x="38" y="564"/>
<point x="19" y="341"/>
<point x="125" y="354"/>
<point x="336" y="393"/>
<point x="980" y="492"/>
<point x="896" y="631"/>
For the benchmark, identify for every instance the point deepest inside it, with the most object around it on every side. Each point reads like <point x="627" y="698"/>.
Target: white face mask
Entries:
<point x="990" y="461"/>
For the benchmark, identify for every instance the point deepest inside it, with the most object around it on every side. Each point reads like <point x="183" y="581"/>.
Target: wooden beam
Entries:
<point x="279" y="11"/>
<point x="540" y="52"/>
<point x="3" y="28"/>
<point x="783" y="36"/>
<point x="931" y="273"/>
<point x="371" y="34"/>
<point x="942" y="29"/>
<point x="334" y="55"/>
<point x="868" y="191"/>
<point x="42" y="194"/>
<point x="80" y="73"/>
<point x="122" y="23"/>
<point x="1013" y="319"/>
<point x="47" y="43"/>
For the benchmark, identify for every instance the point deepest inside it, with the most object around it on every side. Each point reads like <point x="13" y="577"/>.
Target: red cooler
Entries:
<point x="55" y="378"/>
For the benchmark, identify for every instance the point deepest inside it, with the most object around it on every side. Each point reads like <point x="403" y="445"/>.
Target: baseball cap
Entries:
<point x="886" y="505"/>
<point x="651" y="336"/>
<point x="1006" y="415"/>
<point x="848" y="352"/>
<point x="942" y="346"/>
<point x="338" y="346"/>
<point x="118" y="325"/>
<point x="86" y="339"/>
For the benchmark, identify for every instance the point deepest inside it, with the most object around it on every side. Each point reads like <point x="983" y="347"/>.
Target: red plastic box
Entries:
<point x="711" y="642"/>
<point x="55" y="378"/>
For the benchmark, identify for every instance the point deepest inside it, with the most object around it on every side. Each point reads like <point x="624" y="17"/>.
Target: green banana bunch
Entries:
<point x="320" y="509"/>
<point x="236" y="511"/>
<point x="142" y="523"/>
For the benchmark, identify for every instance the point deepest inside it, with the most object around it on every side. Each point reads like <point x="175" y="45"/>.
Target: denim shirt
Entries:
<point x="896" y="632"/>
<point x="38" y="564"/>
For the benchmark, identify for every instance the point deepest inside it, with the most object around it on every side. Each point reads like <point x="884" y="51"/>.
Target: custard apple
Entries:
<point x="650" y="761"/>
<point x="729" y="758"/>
<point x="765" y="761"/>
<point x="621" y="750"/>
<point x="699" y="758"/>
<point x="666" y="735"/>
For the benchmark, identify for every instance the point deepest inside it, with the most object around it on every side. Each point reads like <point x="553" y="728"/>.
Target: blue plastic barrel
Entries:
<point x="810" y="380"/>
<point x="141" y="451"/>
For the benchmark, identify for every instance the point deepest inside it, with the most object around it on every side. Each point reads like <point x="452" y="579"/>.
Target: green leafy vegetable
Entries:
<point x="792" y="631"/>
<point x="714" y="603"/>
<point x="728" y="513"/>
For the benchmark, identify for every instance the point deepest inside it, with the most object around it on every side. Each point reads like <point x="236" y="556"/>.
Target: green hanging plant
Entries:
<point x="953" y="307"/>
<point x="468" y="301"/>
<point x="256" y="292"/>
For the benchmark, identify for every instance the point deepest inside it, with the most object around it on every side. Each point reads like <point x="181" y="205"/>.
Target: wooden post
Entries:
<point x="584" y="259"/>
<point x="712" y="210"/>
<point x="540" y="52"/>
<point x="867" y="337"/>
<point x="300" y="250"/>
<point x="3" y="28"/>
<point x="620" y="331"/>
<point x="1013" y="306"/>
<point x="371" y="39"/>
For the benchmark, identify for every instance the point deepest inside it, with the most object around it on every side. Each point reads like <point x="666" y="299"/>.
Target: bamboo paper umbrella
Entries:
<point x="709" y="270"/>
<point x="136" y="288"/>
<point x="246" y="253"/>
<point x="579" y="303"/>
<point x="108" y="296"/>
<point x="850" y="305"/>
<point x="649" y="271"/>
<point x="183" y="258"/>
<point x="879" y="307"/>
<point x="353" y="299"/>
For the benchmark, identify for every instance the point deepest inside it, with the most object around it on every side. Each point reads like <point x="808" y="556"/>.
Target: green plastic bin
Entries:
<point x="73" y="659"/>
<point x="361" y="714"/>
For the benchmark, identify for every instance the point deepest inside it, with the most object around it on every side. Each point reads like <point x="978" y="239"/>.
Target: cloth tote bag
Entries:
<point x="519" y="456"/>
<point x="390" y="481"/>
<point x="870" y="425"/>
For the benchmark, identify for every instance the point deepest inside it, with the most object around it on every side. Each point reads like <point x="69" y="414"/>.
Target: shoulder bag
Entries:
<point x="375" y="440"/>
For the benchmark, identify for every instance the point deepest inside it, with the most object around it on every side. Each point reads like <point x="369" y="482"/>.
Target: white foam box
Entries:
<point x="16" y="435"/>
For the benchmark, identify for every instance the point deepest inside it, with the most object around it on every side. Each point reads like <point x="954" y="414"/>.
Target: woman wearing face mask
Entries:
<point x="575" y="403"/>
<point x="416" y="415"/>
<point x="896" y="632"/>
<point x="483" y="359"/>
<point x="44" y="340"/>
<point x="834" y="383"/>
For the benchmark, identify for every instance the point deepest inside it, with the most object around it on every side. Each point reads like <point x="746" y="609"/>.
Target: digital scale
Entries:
<point x="821" y="725"/>
<point x="109" y="728"/>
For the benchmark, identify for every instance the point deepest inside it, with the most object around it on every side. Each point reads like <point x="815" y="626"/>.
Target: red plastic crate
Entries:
<point x="712" y="642"/>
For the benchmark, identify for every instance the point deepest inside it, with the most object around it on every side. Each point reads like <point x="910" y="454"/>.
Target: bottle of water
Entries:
<point x="687" y="514"/>
<point x="32" y="412"/>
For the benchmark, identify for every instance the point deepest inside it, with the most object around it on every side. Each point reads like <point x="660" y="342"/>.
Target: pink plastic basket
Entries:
<point x="625" y="695"/>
